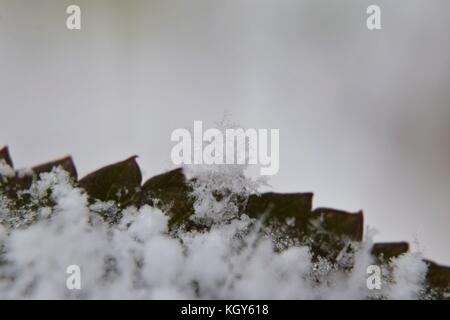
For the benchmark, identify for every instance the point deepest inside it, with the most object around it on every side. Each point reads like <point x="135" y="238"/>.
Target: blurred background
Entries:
<point x="364" y="116"/>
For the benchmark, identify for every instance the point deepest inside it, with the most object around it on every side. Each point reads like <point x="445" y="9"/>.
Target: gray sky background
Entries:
<point x="364" y="116"/>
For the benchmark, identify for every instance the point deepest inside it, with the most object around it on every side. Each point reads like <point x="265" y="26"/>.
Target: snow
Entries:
<point x="139" y="258"/>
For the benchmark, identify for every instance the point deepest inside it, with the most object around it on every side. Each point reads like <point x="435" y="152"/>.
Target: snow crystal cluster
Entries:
<point x="141" y="258"/>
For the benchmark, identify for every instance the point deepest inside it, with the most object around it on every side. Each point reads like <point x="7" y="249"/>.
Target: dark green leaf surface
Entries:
<point x="389" y="250"/>
<point x="170" y="191"/>
<point x="118" y="182"/>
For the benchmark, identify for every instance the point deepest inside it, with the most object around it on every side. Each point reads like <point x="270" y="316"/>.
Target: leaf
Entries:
<point x="341" y="222"/>
<point x="4" y="154"/>
<point x="328" y="229"/>
<point x="438" y="277"/>
<point x="21" y="203"/>
<point x="281" y="206"/>
<point x="118" y="182"/>
<point x="66" y="163"/>
<point x="172" y="192"/>
<point x="21" y="183"/>
<point x="389" y="249"/>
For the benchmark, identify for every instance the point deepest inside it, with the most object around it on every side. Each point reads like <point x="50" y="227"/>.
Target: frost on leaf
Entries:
<point x="190" y="233"/>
